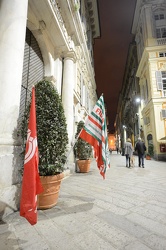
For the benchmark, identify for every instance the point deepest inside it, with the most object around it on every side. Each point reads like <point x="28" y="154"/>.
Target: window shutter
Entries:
<point x="159" y="80"/>
<point x="163" y="113"/>
<point x="146" y="120"/>
<point x="84" y="95"/>
<point x="33" y="70"/>
<point x="81" y="94"/>
<point x="89" y="41"/>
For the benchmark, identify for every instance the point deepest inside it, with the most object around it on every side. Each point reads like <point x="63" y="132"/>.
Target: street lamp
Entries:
<point x="137" y="116"/>
<point x="124" y="133"/>
<point x="138" y="100"/>
<point x="124" y="138"/>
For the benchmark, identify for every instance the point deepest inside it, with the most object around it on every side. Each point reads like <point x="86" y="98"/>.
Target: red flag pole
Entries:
<point x="31" y="185"/>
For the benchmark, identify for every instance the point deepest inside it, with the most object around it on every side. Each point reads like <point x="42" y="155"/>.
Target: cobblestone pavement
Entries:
<point x="126" y="211"/>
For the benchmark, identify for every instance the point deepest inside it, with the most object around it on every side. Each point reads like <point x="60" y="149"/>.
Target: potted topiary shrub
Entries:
<point x="150" y="152"/>
<point x="52" y="141"/>
<point x="148" y="157"/>
<point x="82" y="151"/>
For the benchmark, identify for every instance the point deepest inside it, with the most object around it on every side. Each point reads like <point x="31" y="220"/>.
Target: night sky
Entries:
<point x="110" y="51"/>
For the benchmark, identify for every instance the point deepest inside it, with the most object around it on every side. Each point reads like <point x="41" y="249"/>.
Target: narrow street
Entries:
<point x="126" y="211"/>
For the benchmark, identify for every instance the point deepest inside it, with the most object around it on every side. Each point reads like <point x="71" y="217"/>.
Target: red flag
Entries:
<point x="31" y="185"/>
<point x="95" y="133"/>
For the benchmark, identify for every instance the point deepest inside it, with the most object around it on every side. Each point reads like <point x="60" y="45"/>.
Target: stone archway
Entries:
<point x="150" y="139"/>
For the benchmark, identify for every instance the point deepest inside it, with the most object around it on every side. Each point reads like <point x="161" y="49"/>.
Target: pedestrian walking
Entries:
<point x="128" y="152"/>
<point x="140" y="148"/>
<point x="117" y="149"/>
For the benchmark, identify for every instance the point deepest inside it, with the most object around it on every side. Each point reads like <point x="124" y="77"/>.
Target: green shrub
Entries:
<point x="51" y="128"/>
<point x="82" y="149"/>
<point x="150" y="149"/>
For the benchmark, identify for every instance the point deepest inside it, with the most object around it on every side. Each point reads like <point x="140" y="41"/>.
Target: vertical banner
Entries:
<point x="31" y="185"/>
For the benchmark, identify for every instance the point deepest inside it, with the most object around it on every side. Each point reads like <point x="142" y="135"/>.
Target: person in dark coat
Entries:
<point x="140" y="148"/>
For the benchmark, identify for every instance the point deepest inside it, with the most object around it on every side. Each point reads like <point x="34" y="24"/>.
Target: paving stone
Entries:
<point x="70" y="225"/>
<point x="160" y="204"/>
<point x="148" y="224"/>
<point x="109" y="233"/>
<point x="157" y="208"/>
<point x="156" y="242"/>
<point x="123" y="224"/>
<point x="125" y="211"/>
<point x="145" y="211"/>
<point x="8" y="240"/>
<point x="136" y="245"/>
<point x="90" y="240"/>
<point x="111" y="207"/>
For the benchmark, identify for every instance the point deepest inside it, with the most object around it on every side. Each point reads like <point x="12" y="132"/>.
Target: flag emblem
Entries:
<point x="31" y="148"/>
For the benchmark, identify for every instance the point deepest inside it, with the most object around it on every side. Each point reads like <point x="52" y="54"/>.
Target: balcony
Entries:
<point x="161" y="41"/>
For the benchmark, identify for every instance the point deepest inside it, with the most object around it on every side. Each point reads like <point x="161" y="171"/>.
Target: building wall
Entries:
<point x="62" y="39"/>
<point x="144" y="119"/>
<point x="128" y="110"/>
<point x="149" y="44"/>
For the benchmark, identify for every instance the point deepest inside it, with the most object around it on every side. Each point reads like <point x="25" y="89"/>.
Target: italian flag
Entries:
<point x="95" y="133"/>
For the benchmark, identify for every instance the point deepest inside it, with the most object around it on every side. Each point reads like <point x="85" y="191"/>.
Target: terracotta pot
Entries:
<point x="84" y="165"/>
<point x="49" y="197"/>
<point x="148" y="157"/>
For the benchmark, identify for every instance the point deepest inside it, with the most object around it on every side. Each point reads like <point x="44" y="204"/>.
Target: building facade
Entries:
<point x="147" y="118"/>
<point x="127" y="123"/>
<point x="42" y="39"/>
<point x="149" y="28"/>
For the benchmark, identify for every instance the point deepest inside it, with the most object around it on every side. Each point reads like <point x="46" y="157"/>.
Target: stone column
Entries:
<point x="12" y="33"/>
<point x="13" y="16"/>
<point x="68" y="93"/>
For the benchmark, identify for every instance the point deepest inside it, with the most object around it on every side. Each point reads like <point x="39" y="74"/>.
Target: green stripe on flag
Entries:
<point x="93" y="128"/>
<point x="92" y="134"/>
<point x="97" y="117"/>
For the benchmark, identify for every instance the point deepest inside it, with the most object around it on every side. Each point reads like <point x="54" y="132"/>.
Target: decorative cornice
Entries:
<point x="50" y="78"/>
